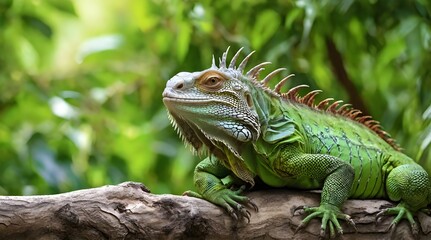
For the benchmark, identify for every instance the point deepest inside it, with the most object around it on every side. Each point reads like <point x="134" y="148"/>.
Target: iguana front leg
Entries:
<point x="214" y="181"/>
<point x="337" y="177"/>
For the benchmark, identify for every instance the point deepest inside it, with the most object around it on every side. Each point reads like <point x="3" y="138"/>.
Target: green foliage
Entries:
<point x="81" y="81"/>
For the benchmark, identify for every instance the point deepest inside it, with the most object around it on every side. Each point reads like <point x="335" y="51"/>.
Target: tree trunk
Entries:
<point x="129" y="211"/>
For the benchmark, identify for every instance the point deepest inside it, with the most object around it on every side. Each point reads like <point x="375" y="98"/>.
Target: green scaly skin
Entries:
<point x="253" y="132"/>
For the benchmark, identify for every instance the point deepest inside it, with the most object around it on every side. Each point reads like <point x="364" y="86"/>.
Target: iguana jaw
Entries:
<point x="201" y="134"/>
<point x="201" y="141"/>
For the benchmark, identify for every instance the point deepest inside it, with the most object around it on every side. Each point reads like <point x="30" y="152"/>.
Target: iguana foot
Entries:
<point x="402" y="212"/>
<point x="330" y="215"/>
<point x="230" y="200"/>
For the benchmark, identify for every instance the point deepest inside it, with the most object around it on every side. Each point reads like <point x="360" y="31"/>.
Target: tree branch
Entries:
<point x="129" y="211"/>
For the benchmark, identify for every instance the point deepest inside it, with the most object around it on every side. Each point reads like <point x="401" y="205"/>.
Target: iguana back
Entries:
<point x="327" y="132"/>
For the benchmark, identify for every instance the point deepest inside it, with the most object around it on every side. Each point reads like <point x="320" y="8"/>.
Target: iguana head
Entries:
<point x="213" y="107"/>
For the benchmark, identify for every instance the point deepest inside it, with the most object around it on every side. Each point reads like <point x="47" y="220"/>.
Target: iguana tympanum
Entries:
<point x="250" y="131"/>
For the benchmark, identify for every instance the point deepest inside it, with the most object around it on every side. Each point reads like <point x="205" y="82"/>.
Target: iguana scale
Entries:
<point x="250" y="131"/>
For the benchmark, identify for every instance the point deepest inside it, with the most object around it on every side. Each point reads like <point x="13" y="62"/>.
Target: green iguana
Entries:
<point x="250" y="131"/>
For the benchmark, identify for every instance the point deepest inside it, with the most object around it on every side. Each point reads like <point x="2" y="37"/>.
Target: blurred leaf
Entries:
<point x="27" y="54"/>
<point x="46" y="163"/>
<point x="163" y="41"/>
<point x="427" y="114"/>
<point x="427" y="139"/>
<point x="144" y="14"/>
<point x="98" y="44"/>
<point x="65" y="6"/>
<point x="183" y="41"/>
<point x="38" y="24"/>
<point x="310" y="15"/>
<point x="266" y="25"/>
<point x="426" y="36"/>
<point x="389" y="53"/>
<point x="62" y="109"/>
<point x="292" y="15"/>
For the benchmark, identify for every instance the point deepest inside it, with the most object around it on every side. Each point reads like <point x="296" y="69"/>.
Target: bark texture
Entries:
<point x="129" y="211"/>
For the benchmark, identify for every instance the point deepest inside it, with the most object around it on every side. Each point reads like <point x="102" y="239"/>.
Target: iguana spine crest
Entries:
<point x="345" y="110"/>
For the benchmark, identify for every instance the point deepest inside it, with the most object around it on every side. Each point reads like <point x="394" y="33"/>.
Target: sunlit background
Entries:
<point x="81" y="81"/>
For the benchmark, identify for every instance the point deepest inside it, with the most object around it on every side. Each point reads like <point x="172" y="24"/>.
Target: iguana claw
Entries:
<point x="329" y="214"/>
<point x="230" y="200"/>
<point x="402" y="212"/>
<point x="351" y="223"/>
<point x="253" y="205"/>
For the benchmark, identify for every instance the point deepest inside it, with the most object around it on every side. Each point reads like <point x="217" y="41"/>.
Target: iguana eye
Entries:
<point x="212" y="83"/>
